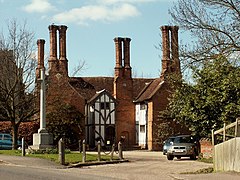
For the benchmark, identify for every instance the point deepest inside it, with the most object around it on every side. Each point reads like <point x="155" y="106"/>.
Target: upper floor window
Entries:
<point x="142" y="106"/>
<point x="105" y="105"/>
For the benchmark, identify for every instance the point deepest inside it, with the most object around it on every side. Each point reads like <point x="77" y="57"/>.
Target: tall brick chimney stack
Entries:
<point x="165" y="49"/>
<point x="63" y="64"/>
<point x="118" y="48"/>
<point x="53" y="60"/>
<point x="175" y="50"/>
<point x="40" y="65"/>
<point x="127" y="67"/>
<point x="123" y="92"/>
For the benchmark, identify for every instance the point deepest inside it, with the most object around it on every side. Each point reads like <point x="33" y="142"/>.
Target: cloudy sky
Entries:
<point x="92" y="26"/>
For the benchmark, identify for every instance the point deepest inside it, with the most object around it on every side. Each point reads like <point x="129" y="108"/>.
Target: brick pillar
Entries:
<point x="118" y="48"/>
<point x="174" y="49"/>
<point x="40" y="44"/>
<point x="53" y="60"/>
<point x="62" y="50"/>
<point x="62" y="42"/>
<point x="165" y="48"/>
<point x="53" y="41"/>
<point x="127" y="67"/>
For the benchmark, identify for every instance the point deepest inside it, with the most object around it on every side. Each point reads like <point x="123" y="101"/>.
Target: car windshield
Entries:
<point x="169" y="140"/>
<point x="7" y="137"/>
<point x="184" y="139"/>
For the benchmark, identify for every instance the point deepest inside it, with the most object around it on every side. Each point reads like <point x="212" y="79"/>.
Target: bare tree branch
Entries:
<point x="17" y="67"/>
<point x="214" y="27"/>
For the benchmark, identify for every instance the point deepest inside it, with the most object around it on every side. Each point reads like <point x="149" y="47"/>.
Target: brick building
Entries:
<point x="115" y="107"/>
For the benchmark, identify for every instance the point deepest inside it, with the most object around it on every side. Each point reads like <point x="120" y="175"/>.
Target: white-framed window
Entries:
<point x="142" y="128"/>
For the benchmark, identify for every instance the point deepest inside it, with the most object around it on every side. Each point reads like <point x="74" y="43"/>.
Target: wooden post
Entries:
<point x="84" y="152"/>
<point x="61" y="151"/>
<point x="237" y="129"/>
<point x="224" y="132"/>
<point x="213" y="137"/>
<point x="23" y="147"/>
<point x="99" y="150"/>
<point x="112" y="152"/>
<point x="120" y="154"/>
<point x="80" y="146"/>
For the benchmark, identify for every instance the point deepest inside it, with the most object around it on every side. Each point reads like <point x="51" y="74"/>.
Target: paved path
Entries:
<point x="142" y="165"/>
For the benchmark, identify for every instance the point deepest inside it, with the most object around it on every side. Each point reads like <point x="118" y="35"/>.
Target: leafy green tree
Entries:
<point x="65" y="121"/>
<point x="213" y="99"/>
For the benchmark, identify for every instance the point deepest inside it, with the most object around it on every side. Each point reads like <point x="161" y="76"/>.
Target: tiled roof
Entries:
<point x="99" y="93"/>
<point x="149" y="90"/>
<point x="88" y="86"/>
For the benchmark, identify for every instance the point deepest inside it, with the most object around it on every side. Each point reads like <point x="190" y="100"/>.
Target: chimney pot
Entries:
<point x="53" y="41"/>
<point x="118" y="49"/>
<point x="165" y="48"/>
<point x="40" y="44"/>
<point x="62" y="42"/>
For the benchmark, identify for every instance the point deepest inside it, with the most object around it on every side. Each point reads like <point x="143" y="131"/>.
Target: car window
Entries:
<point x="185" y="139"/>
<point x="1" y="136"/>
<point x="169" y="140"/>
<point x="7" y="136"/>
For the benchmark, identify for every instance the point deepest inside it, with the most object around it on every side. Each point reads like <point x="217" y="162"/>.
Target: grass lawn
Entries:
<point x="70" y="158"/>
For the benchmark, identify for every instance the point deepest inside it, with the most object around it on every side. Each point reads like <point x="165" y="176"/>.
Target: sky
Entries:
<point x="92" y="26"/>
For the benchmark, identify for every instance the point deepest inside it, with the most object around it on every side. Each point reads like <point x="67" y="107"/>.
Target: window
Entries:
<point x="142" y="106"/>
<point x="142" y="128"/>
<point x="7" y="137"/>
<point x="102" y="106"/>
<point x="105" y="105"/>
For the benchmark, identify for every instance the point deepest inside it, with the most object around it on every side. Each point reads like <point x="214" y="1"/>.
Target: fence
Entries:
<point x="226" y="152"/>
<point x="61" y="148"/>
<point x="223" y="131"/>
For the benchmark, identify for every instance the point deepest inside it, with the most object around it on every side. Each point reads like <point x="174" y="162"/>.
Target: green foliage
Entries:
<point x="70" y="157"/>
<point x="167" y="126"/>
<point x="212" y="100"/>
<point x="65" y="121"/>
<point x="46" y="151"/>
<point x="11" y="152"/>
<point x="42" y="151"/>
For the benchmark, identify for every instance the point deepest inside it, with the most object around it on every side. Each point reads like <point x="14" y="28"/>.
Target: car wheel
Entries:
<point x="193" y="156"/>
<point x="178" y="157"/>
<point x="170" y="157"/>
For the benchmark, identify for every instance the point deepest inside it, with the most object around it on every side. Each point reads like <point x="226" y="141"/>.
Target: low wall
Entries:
<point x="227" y="155"/>
<point x="206" y="148"/>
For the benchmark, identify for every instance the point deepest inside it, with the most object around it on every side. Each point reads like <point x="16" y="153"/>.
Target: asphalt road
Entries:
<point x="142" y="165"/>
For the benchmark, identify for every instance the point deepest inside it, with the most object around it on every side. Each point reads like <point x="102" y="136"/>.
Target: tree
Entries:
<point x="17" y="76"/>
<point x="214" y="26"/>
<point x="65" y="121"/>
<point x="212" y="100"/>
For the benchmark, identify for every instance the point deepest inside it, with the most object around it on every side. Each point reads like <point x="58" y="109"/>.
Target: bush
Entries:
<point x="26" y="129"/>
<point x="65" y="121"/>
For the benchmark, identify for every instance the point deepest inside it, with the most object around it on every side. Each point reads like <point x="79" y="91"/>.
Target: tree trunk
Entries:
<point x="15" y="136"/>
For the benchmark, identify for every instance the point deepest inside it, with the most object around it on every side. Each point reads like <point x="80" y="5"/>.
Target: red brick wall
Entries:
<point x="125" y="111"/>
<point x="160" y="102"/>
<point x="206" y="148"/>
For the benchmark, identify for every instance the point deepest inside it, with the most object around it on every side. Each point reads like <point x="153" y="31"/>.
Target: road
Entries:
<point x="142" y="165"/>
